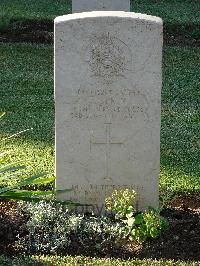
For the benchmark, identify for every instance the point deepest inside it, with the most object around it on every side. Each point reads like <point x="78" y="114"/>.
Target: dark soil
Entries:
<point x="28" y="31"/>
<point x="11" y="224"/>
<point x="182" y="36"/>
<point x="42" y="32"/>
<point x="180" y="241"/>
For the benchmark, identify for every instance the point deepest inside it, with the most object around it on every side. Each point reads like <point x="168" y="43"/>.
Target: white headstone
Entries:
<point x="100" y="5"/>
<point x="108" y="98"/>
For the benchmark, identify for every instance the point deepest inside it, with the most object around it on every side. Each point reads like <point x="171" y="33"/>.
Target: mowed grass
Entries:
<point x="176" y="12"/>
<point x="38" y="10"/>
<point x="83" y="261"/>
<point x="26" y="95"/>
<point x="180" y="142"/>
<point x="173" y="12"/>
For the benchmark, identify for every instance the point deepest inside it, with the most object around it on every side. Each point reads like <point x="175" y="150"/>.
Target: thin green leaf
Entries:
<point x="27" y="193"/>
<point x="9" y="168"/>
<point x="27" y="181"/>
<point x="17" y="134"/>
<point x="13" y="197"/>
<point x="42" y="181"/>
<point x="2" y="114"/>
<point x="37" y="199"/>
<point x="63" y="190"/>
<point x="30" y="180"/>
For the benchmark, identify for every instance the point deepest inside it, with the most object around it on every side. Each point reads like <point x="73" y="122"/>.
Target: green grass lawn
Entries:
<point x="180" y="145"/>
<point x="83" y="261"/>
<point x="174" y="12"/>
<point x="26" y="95"/>
<point x="39" y="10"/>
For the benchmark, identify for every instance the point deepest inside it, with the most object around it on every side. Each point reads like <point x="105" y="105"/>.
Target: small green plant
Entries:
<point x="51" y="228"/>
<point x="16" y="190"/>
<point x="121" y="202"/>
<point x="137" y="227"/>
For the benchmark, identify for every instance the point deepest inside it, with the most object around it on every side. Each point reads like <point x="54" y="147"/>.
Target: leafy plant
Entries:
<point x="51" y="228"/>
<point x="121" y="202"/>
<point x="145" y="225"/>
<point x="137" y="227"/>
<point x="16" y="191"/>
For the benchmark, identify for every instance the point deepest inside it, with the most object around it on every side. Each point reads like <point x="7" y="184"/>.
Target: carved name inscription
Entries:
<point x="108" y="104"/>
<point x="94" y="192"/>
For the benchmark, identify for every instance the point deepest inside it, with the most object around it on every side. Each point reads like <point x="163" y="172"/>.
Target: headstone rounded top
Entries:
<point x="119" y="14"/>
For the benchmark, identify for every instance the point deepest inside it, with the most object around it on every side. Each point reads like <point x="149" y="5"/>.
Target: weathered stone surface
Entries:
<point x="108" y="98"/>
<point x="100" y="5"/>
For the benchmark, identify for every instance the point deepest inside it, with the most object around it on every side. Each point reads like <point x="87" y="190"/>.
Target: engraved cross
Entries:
<point x="107" y="142"/>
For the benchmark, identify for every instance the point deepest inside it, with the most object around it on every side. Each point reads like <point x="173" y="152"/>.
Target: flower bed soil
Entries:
<point x="180" y="241"/>
<point x="42" y="32"/>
